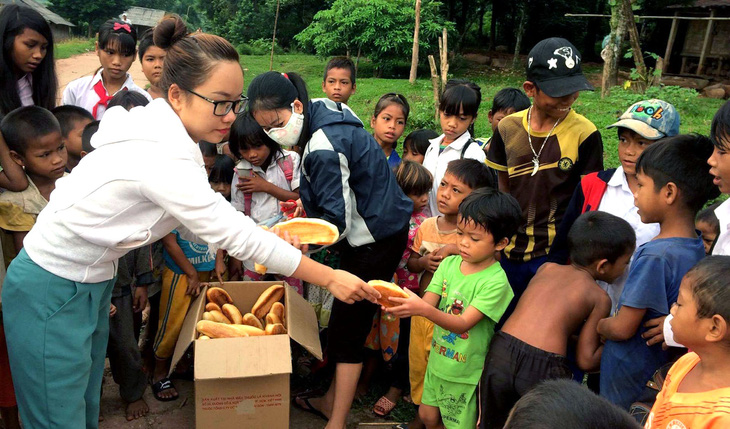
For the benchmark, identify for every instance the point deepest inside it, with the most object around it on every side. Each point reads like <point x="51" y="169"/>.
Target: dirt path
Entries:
<point x="86" y="64"/>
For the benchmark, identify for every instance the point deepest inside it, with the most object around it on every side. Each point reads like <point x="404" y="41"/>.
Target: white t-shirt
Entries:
<point x="25" y="90"/>
<point x="437" y="162"/>
<point x="722" y="246"/>
<point x="263" y="205"/>
<point x="618" y="200"/>
<point x="80" y="92"/>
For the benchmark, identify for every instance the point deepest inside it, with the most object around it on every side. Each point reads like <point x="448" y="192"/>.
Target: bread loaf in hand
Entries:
<point x="386" y="290"/>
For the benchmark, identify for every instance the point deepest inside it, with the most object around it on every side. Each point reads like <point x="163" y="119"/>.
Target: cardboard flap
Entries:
<point x="305" y="331"/>
<point x="188" y="332"/>
<point x="242" y="357"/>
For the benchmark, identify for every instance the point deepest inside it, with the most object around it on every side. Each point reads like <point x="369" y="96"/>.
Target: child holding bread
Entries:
<point x="466" y="298"/>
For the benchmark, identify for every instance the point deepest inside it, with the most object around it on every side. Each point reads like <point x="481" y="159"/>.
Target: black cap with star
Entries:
<point x="554" y="64"/>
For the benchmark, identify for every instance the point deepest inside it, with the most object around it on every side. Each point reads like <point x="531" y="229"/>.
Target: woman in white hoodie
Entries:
<point x="145" y="178"/>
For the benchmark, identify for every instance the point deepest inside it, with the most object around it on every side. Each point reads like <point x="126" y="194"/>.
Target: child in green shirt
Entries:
<point x="466" y="298"/>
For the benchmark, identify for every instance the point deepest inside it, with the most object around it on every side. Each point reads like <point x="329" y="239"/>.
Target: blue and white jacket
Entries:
<point x="346" y="180"/>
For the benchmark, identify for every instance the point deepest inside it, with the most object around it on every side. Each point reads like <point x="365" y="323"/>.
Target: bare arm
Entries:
<point x="178" y="256"/>
<point x="256" y="183"/>
<point x="12" y="177"/>
<point x="623" y="325"/>
<point x="590" y="348"/>
<point x="426" y="307"/>
<point x="503" y="180"/>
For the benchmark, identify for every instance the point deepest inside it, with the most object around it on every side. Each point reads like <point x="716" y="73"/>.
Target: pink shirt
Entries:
<point x="407" y="279"/>
<point x="25" y="90"/>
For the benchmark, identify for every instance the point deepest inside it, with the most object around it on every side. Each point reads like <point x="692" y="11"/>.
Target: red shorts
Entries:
<point x="7" y="391"/>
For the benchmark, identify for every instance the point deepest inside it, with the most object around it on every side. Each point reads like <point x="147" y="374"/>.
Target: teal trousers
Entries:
<point x="57" y="332"/>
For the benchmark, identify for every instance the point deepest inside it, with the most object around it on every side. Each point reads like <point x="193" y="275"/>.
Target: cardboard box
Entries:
<point x="244" y="382"/>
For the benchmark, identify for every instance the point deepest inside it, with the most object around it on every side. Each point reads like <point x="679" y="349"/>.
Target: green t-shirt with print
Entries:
<point x="460" y="358"/>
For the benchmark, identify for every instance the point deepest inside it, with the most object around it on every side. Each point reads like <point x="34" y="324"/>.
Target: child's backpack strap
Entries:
<point x="286" y="165"/>
<point x="593" y="189"/>
<point x="466" y="146"/>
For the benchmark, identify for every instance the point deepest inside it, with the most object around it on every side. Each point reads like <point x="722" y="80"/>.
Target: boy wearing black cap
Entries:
<point x="541" y="153"/>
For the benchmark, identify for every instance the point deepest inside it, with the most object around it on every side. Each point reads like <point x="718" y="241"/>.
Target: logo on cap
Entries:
<point x="567" y="53"/>
<point x="655" y="112"/>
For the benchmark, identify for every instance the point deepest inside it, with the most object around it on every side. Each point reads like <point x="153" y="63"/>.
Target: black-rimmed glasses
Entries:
<point x="222" y="107"/>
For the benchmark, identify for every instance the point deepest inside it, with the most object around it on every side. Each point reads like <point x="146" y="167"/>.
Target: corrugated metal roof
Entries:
<point x="44" y="11"/>
<point x="144" y="16"/>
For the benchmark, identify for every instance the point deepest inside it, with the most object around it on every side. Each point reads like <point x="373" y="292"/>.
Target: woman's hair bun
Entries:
<point x="169" y="31"/>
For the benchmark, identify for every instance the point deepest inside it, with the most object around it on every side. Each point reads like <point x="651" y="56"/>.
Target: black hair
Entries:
<point x="707" y="215"/>
<point x="510" y="98"/>
<point x="123" y="38"/>
<point x="273" y="90"/>
<point x="711" y="286"/>
<point x="460" y="94"/>
<point x="599" y="235"/>
<point x="89" y="131"/>
<point x="222" y="171"/>
<point x="419" y="140"/>
<point x="208" y="149"/>
<point x="25" y="124"/>
<point x="413" y="178"/>
<point x="128" y="99"/>
<point x="471" y="172"/>
<point x="246" y="133"/>
<point x="13" y="20"/>
<point x="566" y="404"/>
<point x="69" y="115"/>
<point x="392" y="98"/>
<point x="146" y="40"/>
<point x="497" y="212"/>
<point x="341" y="63"/>
<point x="681" y="159"/>
<point x="720" y="129"/>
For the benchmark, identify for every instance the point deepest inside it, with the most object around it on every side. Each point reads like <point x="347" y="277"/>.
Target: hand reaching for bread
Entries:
<point x="349" y="288"/>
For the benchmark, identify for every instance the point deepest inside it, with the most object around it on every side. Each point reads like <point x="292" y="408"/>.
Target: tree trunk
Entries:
<point x="357" y="61"/>
<point x="435" y="84"/>
<point x="414" y="56"/>
<point x="612" y="52"/>
<point x="273" y="38"/>
<point x="444" y="50"/>
<point x="634" y="39"/>
<point x="520" y="32"/>
<point x="493" y="27"/>
<point x="480" y="28"/>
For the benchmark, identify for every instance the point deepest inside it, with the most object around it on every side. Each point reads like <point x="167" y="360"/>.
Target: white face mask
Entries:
<point x="288" y="135"/>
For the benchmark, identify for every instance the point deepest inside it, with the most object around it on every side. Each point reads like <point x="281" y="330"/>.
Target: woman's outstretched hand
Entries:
<point x="349" y="288"/>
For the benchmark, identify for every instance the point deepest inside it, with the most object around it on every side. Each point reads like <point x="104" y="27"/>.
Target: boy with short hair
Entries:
<point x="720" y="168"/>
<point x="465" y="299"/>
<point x="673" y="184"/>
<point x="436" y="238"/>
<point x="89" y="130"/>
<point x="339" y="79"/>
<point x="563" y="300"/>
<point x="696" y="391"/>
<point x="72" y="119"/>
<point x="505" y="102"/>
<point x="542" y="152"/>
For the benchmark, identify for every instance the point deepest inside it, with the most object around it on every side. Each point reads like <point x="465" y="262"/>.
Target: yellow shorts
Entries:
<point x="420" y="347"/>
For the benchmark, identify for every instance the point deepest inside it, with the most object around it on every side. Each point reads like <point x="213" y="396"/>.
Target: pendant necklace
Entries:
<point x="536" y="156"/>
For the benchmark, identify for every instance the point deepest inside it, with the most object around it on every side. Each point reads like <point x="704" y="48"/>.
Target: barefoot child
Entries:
<point x="116" y="46"/>
<point x="465" y="300"/>
<point x="673" y="184"/>
<point x="697" y="389"/>
<point x="388" y="122"/>
<point x="560" y="301"/>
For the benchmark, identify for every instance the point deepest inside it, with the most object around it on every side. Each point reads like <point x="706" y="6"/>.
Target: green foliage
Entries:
<point x="258" y="47"/>
<point x="88" y="15"/>
<point x="381" y="30"/>
<point x="71" y="47"/>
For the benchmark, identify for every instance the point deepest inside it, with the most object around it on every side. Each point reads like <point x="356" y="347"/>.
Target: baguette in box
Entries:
<point x="212" y="306"/>
<point x="278" y="309"/>
<point x="232" y="313"/>
<point x="386" y="290"/>
<point x="251" y="320"/>
<point x="216" y="316"/>
<point x="266" y="300"/>
<point x="275" y="329"/>
<point x="218" y="296"/>
<point x="222" y="330"/>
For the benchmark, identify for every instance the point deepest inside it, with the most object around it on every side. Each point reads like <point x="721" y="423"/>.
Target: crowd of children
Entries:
<point x="523" y="259"/>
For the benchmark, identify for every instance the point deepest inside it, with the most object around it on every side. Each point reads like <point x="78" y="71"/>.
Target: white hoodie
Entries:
<point x="145" y="178"/>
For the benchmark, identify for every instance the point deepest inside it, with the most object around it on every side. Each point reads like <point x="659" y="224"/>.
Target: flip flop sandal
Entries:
<point x="310" y="409"/>
<point x="383" y="407"/>
<point x="161" y="385"/>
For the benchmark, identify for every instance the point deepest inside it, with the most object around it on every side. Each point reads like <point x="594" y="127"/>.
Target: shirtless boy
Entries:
<point x="560" y="301"/>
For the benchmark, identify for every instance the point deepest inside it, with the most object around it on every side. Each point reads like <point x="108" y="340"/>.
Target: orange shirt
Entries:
<point x="703" y="410"/>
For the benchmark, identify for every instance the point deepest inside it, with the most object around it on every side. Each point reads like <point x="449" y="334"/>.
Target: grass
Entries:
<point x="696" y="113"/>
<point x="71" y="47"/>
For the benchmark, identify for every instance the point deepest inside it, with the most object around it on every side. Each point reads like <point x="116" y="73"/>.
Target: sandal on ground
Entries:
<point x="161" y="385"/>
<point x="310" y="409"/>
<point x="383" y="407"/>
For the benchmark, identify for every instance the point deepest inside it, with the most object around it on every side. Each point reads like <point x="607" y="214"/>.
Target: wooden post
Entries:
<point x="273" y="39"/>
<point x="670" y="41"/>
<point x="414" y="56"/>
<point x="435" y="84"/>
<point x="444" y="60"/>
<point x="706" y="43"/>
<point x="635" y="46"/>
<point x="243" y="75"/>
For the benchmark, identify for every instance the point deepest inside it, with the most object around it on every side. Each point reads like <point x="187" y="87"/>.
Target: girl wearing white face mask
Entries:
<point x="345" y="179"/>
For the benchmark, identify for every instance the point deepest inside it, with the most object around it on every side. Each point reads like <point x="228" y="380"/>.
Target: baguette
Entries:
<point x="203" y="337"/>
<point x="272" y="319"/>
<point x="278" y="309"/>
<point x="310" y="230"/>
<point x="251" y="320"/>
<point x="266" y="300"/>
<point x="232" y="313"/>
<point x="212" y="306"/>
<point x="386" y="290"/>
<point x="216" y="316"/>
<point x="275" y="329"/>
<point x="221" y="330"/>
<point x="219" y="296"/>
